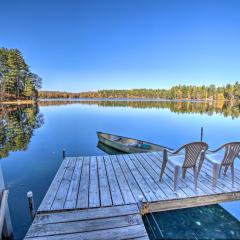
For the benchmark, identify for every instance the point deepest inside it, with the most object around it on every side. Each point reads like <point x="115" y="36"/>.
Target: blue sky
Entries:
<point x="79" y="45"/>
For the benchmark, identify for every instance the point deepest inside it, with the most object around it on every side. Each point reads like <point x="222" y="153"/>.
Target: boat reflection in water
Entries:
<point x="107" y="149"/>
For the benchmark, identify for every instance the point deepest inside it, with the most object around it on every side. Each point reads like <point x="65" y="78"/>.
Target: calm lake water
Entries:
<point x="32" y="138"/>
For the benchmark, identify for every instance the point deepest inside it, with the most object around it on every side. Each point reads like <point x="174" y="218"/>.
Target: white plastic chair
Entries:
<point x="224" y="156"/>
<point x="188" y="159"/>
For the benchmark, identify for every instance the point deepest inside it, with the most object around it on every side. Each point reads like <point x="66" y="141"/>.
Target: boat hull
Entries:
<point x="125" y="148"/>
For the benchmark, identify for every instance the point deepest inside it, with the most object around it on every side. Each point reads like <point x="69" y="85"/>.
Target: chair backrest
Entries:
<point x="192" y="153"/>
<point x="232" y="150"/>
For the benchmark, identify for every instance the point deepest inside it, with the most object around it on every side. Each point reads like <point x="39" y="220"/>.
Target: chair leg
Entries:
<point x="225" y="170"/>
<point x="184" y="170"/>
<point x="220" y="171"/>
<point x="200" y="163"/>
<point x="176" y="172"/>
<point x="195" y="174"/>
<point x="232" y="173"/>
<point x="216" y="168"/>
<point x="163" y="164"/>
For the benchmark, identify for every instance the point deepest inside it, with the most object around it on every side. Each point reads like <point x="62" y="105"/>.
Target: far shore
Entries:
<point x="130" y="99"/>
<point x="18" y="102"/>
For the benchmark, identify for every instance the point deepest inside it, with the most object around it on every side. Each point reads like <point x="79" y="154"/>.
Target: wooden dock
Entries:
<point x="97" y="197"/>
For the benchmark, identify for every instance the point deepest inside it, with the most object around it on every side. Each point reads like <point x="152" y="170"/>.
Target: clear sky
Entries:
<point x="78" y="45"/>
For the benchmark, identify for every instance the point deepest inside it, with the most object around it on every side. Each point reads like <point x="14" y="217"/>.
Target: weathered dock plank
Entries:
<point x="122" y="233"/>
<point x="86" y="182"/>
<point x="117" y="222"/>
<point x="96" y="197"/>
<point x="87" y="214"/>
<point x="192" y="202"/>
<point x="136" y="190"/>
<point x="49" y="197"/>
<point x="151" y="169"/>
<point x="145" y="188"/>
<point x="83" y="196"/>
<point x="106" y="199"/>
<point x="61" y="196"/>
<point x="148" y="178"/>
<point x="72" y="194"/>
<point x="113" y="183"/>
<point x="125" y="189"/>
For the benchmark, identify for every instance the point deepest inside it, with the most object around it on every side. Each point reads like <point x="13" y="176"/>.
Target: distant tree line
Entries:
<point x="229" y="92"/>
<point x="16" y="79"/>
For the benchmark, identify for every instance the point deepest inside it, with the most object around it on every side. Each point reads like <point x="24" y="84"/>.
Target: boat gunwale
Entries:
<point x="131" y="147"/>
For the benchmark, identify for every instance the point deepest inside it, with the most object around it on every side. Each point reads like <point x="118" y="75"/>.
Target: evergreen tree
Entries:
<point x="17" y="81"/>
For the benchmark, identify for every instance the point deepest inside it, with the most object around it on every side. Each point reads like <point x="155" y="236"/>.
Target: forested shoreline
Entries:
<point x="181" y="92"/>
<point x="17" y="81"/>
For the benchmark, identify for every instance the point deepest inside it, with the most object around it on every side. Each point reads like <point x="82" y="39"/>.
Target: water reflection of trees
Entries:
<point x="225" y="108"/>
<point x="17" y="124"/>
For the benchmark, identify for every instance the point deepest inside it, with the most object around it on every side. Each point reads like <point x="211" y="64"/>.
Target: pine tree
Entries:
<point x="17" y="80"/>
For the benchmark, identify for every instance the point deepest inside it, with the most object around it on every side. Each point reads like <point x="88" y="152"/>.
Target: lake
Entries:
<point x="32" y="139"/>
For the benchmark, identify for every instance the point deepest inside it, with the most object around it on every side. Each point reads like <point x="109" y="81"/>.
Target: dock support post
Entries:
<point x="63" y="153"/>
<point x="7" y="231"/>
<point x="140" y="203"/>
<point x="143" y="208"/>
<point x="31" y="204"/>
<point x="4" y="197"/>
<point x="201" y="134"/>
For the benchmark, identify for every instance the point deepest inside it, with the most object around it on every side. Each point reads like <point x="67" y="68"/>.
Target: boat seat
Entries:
<point x="133" y="144"/>
<point x="113" y="138"/>
<point x="145" y="146"/>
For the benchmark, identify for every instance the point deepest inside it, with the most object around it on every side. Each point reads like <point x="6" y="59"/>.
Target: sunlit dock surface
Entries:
<point x="96" y="197"/>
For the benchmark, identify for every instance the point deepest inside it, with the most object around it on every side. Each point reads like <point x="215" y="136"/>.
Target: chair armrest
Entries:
<point x="170" y="151"/>
<point x="216" y="150"/>
<point x="212" y="151"/>
<point x="167" y="150"/>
